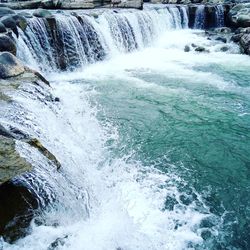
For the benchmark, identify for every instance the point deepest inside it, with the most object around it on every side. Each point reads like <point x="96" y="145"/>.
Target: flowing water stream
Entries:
<point x="153" y="141"/>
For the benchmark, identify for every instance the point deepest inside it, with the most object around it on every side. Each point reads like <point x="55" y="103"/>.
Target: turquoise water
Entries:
<point x="154" y="147"/>
<point x="187" y="114"/>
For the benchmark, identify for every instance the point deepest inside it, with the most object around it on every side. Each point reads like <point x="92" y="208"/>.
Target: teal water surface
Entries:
<point x="188" y="115"/>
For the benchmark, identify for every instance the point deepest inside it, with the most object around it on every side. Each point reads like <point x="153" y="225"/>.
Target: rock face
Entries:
<point x="37" y="144"/>
<point x="9" y="22"/>
<point x="2" y="28"/>
<point x="11" y="163"/>
<point x="17" y="208"/>
<point x="20" y="21"/>
<point x="10" y="66"/>
<point x="7" y="44"/>
<point x="245" y="43"/>
<point x="239" y="15"/>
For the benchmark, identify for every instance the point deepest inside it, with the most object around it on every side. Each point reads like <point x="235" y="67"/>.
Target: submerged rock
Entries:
<point x="58" y="242"/>
<point x="11" y="163"/>
<point x="201" y="49"/>
<point x="224" y="48"/>
<point x="221" y="39"/>
<point x="10" y="66"/>
<point x="7" y="44"/>
<point x="187" y="48"/>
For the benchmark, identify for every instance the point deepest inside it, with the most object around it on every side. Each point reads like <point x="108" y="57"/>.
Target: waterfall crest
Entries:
<point x="68" y="41"/>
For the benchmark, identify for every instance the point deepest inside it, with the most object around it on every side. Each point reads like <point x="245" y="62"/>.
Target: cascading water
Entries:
<point x="68" y="42"/>
<point x="113" y="131"/>
<point x="219" y="15"/>
<point x="199" y="22"/>
<point x="184" y="16"/>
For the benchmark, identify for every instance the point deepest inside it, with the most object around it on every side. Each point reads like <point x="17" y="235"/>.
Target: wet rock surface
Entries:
<point x="42" y="13"/>
<point x="17" y="208"/>
<point x="245" y="43"/>
<point x="239" y="15"/>
<point x="10" y="66"/>
<point x="2" y="28"/>
<point x="11" y="163"/>
<point x="18" y="203"/>
<point x="37" y="144"/>
<point x="7" y="44"/>
<point x="10" y="23"/>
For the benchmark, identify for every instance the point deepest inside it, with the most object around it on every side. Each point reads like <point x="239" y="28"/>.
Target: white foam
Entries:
<point x="103" y="202"/>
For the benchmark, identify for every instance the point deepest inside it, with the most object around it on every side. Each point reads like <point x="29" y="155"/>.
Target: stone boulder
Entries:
<point x="21" y="21"/>
<point x="239" y="15"/>
<point x="42" y="13"/>
<point x="236" y="38"/>
<point x="187" y="48"/>
<point x="9" y="22"/>
<point x="7" y="44"/>
<point x="10" y="66"/>
<point x="2" y="28"/>
<point x="245" y="43"/>
<point x="6" y="11"/>
<point x="17" y="208"/>
<point x="11" y="163"/>
<point x="201" y="49"/>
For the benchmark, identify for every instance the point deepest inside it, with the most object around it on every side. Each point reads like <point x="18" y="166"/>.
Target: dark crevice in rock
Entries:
<point x="17" y="208"/>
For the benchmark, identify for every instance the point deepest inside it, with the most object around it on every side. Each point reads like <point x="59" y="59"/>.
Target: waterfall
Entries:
<point x="199" y="22"/>
<point x="184" y="16"/>
<point x="219" y="15"/>
<point x="68" y="41"/>
<point x="97" y="200"/>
